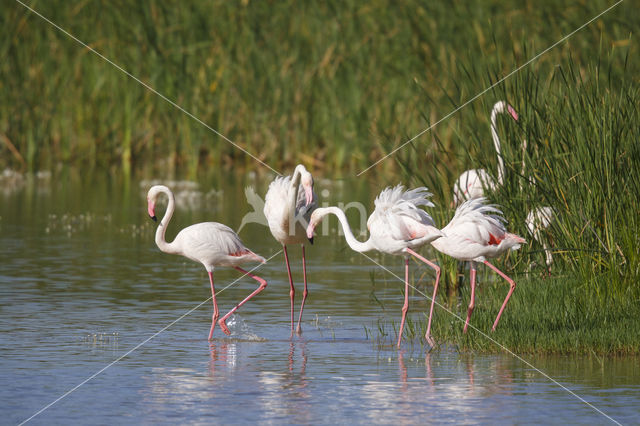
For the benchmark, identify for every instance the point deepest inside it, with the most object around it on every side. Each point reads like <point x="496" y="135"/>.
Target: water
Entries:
<point x="89" y="305"/>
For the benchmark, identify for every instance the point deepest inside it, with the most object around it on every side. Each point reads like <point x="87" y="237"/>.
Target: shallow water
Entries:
<point x="88" y="304"/>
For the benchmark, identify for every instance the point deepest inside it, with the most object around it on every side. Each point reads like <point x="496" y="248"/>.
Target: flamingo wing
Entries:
<point x="478" y="222"/>
<point x="276" y="197"/>
<point x="472" y="184"/>
<point x="276" y="206"/>
<point x="210" y="241"/>
<point x="398" y="213"/>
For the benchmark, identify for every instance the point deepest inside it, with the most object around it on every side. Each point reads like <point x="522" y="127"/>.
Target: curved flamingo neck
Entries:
<point x="496" y="144"/>
<point x="162" y="244"/>
<point x="348" y="235"/>
<point x="294" y="187"/>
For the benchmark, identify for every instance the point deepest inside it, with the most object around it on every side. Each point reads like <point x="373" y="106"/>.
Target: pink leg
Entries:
<point x="291" y="351"/>
<point x="427" y="363"/>
<point x="305" y="292"/>
<point x="427" y="336"/>
<point x="512" y="285"/>
<point x="216" y="314"/>
<point x="292" y="291"/>
<point x="403" y="369"/>
<point x="263" y="285"/>
<point x="405" y="307"/>
<point x="473" y="296"/>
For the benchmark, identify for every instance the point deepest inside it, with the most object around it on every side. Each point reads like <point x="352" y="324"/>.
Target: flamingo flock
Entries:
<point x="398" y="225"/>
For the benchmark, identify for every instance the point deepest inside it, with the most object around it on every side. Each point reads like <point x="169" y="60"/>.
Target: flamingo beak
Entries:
<point x="310" y="229"/>
<point x="308" y="194"/>
<point x="513" y="112"/>
<point x="151" y="210"/>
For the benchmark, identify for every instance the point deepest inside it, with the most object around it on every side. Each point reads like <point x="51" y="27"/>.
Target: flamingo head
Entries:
<point x="150" y="209"/>
<point x="152" y="195"/>
<point x="503" y="106"/>
<point x="314" y="220"/>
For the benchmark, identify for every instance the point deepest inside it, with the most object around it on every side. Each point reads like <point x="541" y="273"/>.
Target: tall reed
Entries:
<point x="581" y="124"/>
<point x="334" y="84"/>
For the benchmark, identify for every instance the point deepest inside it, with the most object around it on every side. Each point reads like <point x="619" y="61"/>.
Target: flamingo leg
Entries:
<point x="512" y="285"/>
<point x="305" y="292"/>
<point x="403" y="369"/>
<point x="405" y="307"/>
<point x="548" y="257"/>
<point x="292" y="291"/>
<point x="427" y="363"/>
<point x="263" y="285"/>
<point x="427" y="336"/>
<point x="473" y="295"/>
<point x="216" y="314"/>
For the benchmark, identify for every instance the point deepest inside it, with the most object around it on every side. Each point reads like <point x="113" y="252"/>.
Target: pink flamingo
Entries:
<point x="474" y="183"/>
<point x="397" y="226"/>
<point x="210" y="243"/>
<point x="287" y="207"/>
<point x="539" y="218"/>
<point x="475" y="233"/>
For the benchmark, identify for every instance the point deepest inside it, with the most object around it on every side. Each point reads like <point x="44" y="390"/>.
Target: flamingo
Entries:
<point x="540" y="218"/>
<point x="210" y="243"/>
<point x="475" y="183"/>
<point x="475" y="233"/>
<point x="288" y="204"/>
<point x="397" y="226"/>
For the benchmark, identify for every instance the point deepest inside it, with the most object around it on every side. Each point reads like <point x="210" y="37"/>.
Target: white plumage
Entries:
<point x="539" y="219"/>
<point x="288" y="204"/>
<point x="476" y="232"/>
<point x="398" y="222"/>
<point x="210" y="243"/>
<point x="396" y="226"/>
<point x="477" y="182"/>
<point x="473" y="184"/>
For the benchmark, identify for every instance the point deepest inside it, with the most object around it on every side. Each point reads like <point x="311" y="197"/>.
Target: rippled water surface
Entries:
<point x="99" y="327"/>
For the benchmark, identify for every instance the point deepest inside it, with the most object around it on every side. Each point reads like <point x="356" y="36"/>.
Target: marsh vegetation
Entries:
<point x="338" y="85"/>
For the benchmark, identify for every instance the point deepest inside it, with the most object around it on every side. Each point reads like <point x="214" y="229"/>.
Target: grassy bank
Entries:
<point x="581" y="158"/>
<point x="335" y="85"/>
<point x="555" y="315"/>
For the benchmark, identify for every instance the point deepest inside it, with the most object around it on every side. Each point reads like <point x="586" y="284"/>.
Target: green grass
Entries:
<point x="333" y="84"/>
<point x="553" y="315"/>
<point x="582" y="156"/>
<point x="581" y="120"/>
<point x="338" y="84"/>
